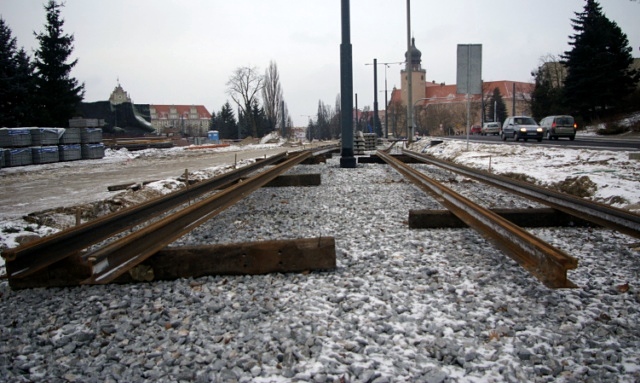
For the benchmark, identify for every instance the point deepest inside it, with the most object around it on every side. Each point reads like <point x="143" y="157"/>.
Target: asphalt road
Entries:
<point x="631" y="142"/>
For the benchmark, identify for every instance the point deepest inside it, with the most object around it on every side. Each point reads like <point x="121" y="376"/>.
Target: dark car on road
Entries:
<point x="559" y="126"/>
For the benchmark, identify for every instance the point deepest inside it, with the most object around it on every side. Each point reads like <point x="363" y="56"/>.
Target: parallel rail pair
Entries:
<point x="114" y="259"/>
<point x="545" y="262"/>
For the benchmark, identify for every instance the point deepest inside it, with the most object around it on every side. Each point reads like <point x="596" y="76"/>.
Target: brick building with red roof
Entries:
<point x="439" y="109"/>
<point x="190" y="120"/>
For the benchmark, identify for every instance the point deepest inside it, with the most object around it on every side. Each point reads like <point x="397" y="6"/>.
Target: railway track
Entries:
<point x="597" y="213"/>
<point x="152" y="233"/>
<point x="115" y="258"/>
<point x="545" y="262"/>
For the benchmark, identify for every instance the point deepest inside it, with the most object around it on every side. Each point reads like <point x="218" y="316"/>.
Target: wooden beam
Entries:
<point x="131" y="185"/>
<point x="286" y="180"/>
<point x="69" y="271"/>
<point x="315" y="160"/>
<point x="252" y="258"/>
<point x="543" y="217"/>
<point x="375" y="159"/>
<point x="249" y="258"/>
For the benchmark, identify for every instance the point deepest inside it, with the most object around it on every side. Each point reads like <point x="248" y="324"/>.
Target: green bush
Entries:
<point x="612" y="128"/>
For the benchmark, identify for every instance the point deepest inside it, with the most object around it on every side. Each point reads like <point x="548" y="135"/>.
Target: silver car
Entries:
<point x="490" y="128"/>
<point x="521" y="127"/>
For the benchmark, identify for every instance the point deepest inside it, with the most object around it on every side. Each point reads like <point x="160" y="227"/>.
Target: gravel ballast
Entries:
<point x="403" y="305"/>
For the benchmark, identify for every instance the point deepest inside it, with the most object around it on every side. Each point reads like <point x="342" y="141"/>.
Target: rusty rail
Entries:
<point x="33" y="256"/>
<point x="118" y="257"/>
<point x="600" y="214"/>
<point x="542" y="260"/>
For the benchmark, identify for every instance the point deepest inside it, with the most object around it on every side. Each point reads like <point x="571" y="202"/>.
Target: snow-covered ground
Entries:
<point x="614" y="176"/>
<point x="403" y="305"/>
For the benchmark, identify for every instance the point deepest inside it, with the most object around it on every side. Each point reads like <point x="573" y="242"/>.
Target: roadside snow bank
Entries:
<point x="611" y="175"/>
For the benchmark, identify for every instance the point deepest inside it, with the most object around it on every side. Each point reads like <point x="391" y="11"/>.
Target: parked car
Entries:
<point x="476" y="129"/>
<point x="518" y="127"/>
<point x="559" y="126"/>
<point x="490" y="128"/>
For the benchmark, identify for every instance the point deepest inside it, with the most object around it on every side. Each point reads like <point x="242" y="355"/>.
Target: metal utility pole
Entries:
<point x="469" y="75"/>
<point x="409" y="75"/>
<point x="513" y="100"/>
<point x="347" y="159"/>
<point x="386" y="100"/>
<point x="282" y="122"/>
<point x="375" y="95"/>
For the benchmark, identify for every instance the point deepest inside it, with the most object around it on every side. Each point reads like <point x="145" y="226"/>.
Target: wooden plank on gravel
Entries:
<point x="287" y="180"/>
<point x="250" y="258"/>
<point x="129" y="185"/>
<point x="69" y="271"/>
<point x="542" y="217"/>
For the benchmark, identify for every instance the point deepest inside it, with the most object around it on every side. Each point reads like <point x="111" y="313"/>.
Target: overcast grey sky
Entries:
<point x="184" y="51"/>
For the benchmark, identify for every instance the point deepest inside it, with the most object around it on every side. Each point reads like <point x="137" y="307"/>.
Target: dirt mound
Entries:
<point x="65" y="217"/>
<point x="578" y="186"/>
<point x="249" y="141"/>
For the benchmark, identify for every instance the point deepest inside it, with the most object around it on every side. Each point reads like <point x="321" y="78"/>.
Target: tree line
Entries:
<point x="593" y="80"/>
<point x="255" y="119"/>
<point x="38" y="91"/>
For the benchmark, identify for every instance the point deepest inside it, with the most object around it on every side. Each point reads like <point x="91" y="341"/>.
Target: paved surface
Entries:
<point x="34" y="188"/>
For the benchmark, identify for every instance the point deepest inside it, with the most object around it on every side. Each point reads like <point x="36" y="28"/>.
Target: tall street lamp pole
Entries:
<point x="347" y="159"/>
<point x="386" y="101"/>
<point x="409" y="76"/>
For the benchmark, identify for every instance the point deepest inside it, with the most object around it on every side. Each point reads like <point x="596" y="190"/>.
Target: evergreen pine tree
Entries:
<point x="496" y="107"/>
<point x="16" y="78"/>
<point x="546" y="99"/>
<point x="244" y="124"/>
<point x="259" y="117"/>
<point x="25" y="89"/>
<point x="599" y="72"/>
<point x="225" y="122"/>
<point x="58" y="94"/>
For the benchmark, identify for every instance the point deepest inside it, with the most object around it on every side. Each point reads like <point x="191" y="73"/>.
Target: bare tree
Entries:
<point x="243" y="87"/>
<point x="553" y="68"/>
<point x="272" y="94"/>
<point x="397" y="118"/>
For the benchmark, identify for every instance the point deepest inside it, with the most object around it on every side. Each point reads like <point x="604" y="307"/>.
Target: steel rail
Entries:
<point x="121" y="255"/>
<point x="542" y="260"/>
<point x="600" y="214"/>
<point x="34" y="256"/>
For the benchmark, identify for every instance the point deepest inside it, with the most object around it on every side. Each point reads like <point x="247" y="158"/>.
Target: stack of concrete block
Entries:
<point x="15" y="137"/>
<point x="91" y="135"/>
<point x="26" y="146"/>
<point x="16" y="143"/>
<point x="44" y="154"/>
<point x="18" y="156"/>
<point x="70" y="152"/>
<point x="370" y="141"/>
<point x="70" y="136"/>
<point x="358" y="144"/>
<point x="92" y="151"/>
<point x="45" y="136"/>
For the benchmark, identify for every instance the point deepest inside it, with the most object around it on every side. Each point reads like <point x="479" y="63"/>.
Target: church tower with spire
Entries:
<point x="418" y="75"/>
<point x="118" y="96"/>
